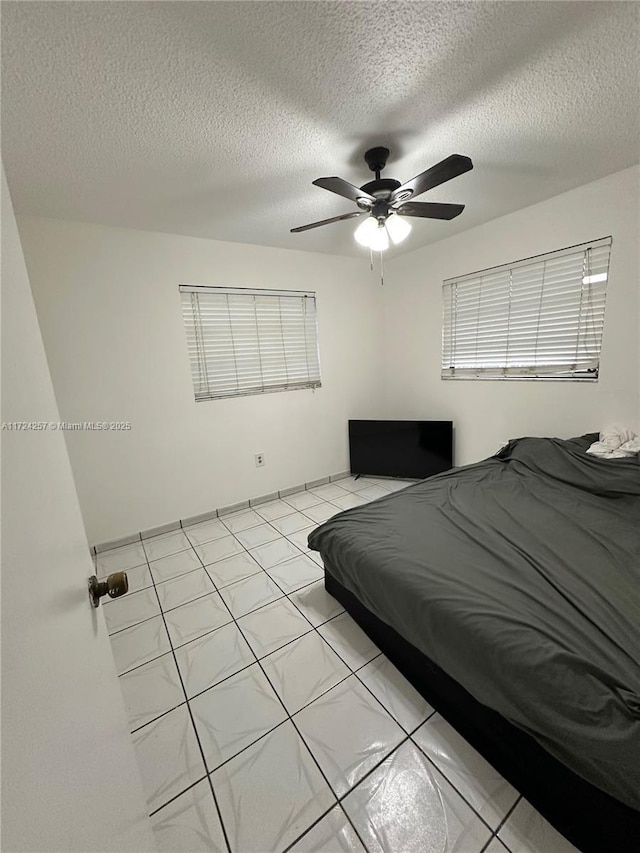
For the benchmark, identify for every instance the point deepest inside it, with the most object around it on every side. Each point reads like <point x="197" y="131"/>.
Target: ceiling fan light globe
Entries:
<point x="364" y="232"/>
<point x="379" y="241"/>
<point x="398" y="228"/>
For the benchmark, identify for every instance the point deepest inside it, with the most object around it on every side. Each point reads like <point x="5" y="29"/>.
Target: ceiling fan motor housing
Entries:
<point x="376" y="158"/>
<point x="380" y="188"/>
<point x="385" y="196"/>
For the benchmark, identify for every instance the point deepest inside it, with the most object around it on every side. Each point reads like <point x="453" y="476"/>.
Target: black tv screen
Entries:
<point x="413" y="449"/>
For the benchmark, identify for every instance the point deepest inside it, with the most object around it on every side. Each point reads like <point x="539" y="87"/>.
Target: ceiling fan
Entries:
<point x="384" y="200"/>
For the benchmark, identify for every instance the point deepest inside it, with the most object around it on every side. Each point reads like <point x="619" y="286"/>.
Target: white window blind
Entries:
<point x="539" y="318"/>
<point x="244" y="341"/>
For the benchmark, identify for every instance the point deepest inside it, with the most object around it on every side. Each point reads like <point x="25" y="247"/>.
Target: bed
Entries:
<point x="508" y="592"/>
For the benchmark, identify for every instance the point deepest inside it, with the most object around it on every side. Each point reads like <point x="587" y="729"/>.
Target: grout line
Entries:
<point x="195" y="730"/>
<point x="138" y="538"/>
<point x="455" y="788"/>
<point x="258" y="660"/>
<point x="176" y="796"/>
<point x="151" y="660"/>
<point x="292" y="721"/>
<point x="289" y="716"/>
<point x="155" y="719"/>
<point x="485" y="846"/>
<point x="508" y="814"/>
<point x="317" y="821"/>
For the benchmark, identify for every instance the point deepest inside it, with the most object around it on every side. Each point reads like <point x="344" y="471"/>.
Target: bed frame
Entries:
<point x="589" y="818"/>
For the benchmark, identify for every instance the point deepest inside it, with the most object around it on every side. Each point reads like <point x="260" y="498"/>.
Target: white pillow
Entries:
<point x="616" y="442"/>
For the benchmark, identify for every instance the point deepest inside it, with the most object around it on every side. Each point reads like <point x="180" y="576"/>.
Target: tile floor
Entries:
<point x="264" y="719"/>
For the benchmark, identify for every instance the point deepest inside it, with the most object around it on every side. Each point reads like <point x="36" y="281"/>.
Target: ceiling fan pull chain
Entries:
<point x="371" y="258"/>
<point x="381" y="270"/>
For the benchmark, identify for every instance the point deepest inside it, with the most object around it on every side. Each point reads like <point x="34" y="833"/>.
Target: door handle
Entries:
<point x="114" y="586"/>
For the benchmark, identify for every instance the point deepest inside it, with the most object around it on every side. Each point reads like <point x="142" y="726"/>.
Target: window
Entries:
<point x="539" y="318"/>
<point x="250" y="341"/>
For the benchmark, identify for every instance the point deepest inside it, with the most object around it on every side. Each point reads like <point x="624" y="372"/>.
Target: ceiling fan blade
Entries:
<point x="444" y="171"/>
<point x="343" y="188"/>
<point x="430" y="210"/>
<point x="327" y="221"/>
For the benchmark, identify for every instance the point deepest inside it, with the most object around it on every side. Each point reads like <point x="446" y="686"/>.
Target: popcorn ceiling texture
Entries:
<point x="211" y="119"/>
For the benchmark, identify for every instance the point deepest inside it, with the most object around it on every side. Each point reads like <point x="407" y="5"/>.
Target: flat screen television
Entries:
<point x="412" y="449"/>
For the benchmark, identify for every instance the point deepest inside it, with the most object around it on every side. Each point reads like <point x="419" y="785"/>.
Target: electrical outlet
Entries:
<point x="259" y="460"/>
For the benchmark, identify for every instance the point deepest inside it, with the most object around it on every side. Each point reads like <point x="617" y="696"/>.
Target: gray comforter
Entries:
<point x="520" y="577"/>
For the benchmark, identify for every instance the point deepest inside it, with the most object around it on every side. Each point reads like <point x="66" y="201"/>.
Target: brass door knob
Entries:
<point x="114" y="586"/>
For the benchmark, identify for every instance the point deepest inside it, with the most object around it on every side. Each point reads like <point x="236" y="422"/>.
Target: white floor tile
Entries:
<point x="249" y="594"/>
<point x="366" y="481"/>
<point x="290" y="523"/>
<point x="351" y="484"/>
<point x="151" y="690"/>
<point x="259" y="535"/>
<point x="192" y="620"/>
<point x="235" y="713"/>
<point x="206" y="531"/>
<point x="392" y="689"/>
<point x="406" y="805"/>
<point x="299" y="538"/>
<point x="120" y="559"/>
<point x="209" y="659"/>
<point x="496" y="846"/>
<point x="321" y="512"/>
<point x="270" y="793"/>
<point x="174" y="565"/>
<point x="315" y="556"/>
<point x="395" y="485"/>
<point x="315" y="603"/>
<point x="348" y="732"/>
<point x="303" y="670"/>
<point x="184" y="588"/>
<point x="140" y="644"/>
<point x="349" y="641"/>
<point x="348" y="501"/>
<point x="302" y="500"/>
<point x="132" y="608"/>
<point x="211" y="552"/>
<point x="373" y="492"/>
<point x="275" y="552"/>
<point x="162" y="546"/>
<point x="239" y="521"/>
<point x="482" y="786"/>
<point x="273" y="509"/>
<point x="273" y="626"/>
<point x="189" y="823"/>
<point x="332" y="834"/>
<point x="329" y="491"/>
<point x="168" y="757"/>
<point x="233" y="569"/>
<point x="296" y="573"/>
<point x="526" y="831"/>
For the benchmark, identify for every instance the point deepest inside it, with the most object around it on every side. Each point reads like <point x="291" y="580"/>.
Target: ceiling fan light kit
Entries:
<point x="398" y="228"/>
<point x="385" y="201"/>
<point x="375" y="233"/>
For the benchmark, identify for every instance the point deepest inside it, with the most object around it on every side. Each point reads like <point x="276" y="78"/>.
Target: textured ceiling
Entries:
<point x="211" y="118"/>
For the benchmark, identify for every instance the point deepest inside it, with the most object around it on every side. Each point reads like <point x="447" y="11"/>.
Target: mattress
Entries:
<point x="519" y="576"/>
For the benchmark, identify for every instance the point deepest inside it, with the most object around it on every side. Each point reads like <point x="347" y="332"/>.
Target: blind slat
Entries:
<point x="541" y="317"/>
<point x="250" y="341"/>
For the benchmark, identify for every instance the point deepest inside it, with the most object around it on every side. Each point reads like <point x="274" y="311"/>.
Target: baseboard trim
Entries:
<point x="174" y="526"/>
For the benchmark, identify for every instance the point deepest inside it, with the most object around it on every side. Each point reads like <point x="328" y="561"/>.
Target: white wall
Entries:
<point x="487" y="412"/>
<point x="109" y="310"/>
<point x="110" y="315"/>
<point x="70" y="780"/>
